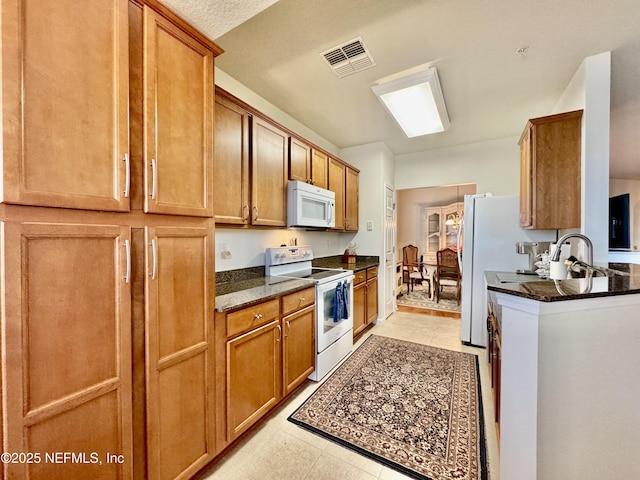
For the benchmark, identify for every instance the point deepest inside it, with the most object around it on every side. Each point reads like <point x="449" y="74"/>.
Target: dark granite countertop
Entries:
<point x="239" y="288"/>
<point x="542" y="290"/>
<point x="362" y="262"/>
<point x="241" y="293"/>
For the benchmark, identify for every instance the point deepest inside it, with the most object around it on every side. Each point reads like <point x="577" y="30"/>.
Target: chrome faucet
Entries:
<point x="556" y="253"/>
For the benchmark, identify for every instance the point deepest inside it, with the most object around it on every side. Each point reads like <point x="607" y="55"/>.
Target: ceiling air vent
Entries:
<point x="348" y="58"/>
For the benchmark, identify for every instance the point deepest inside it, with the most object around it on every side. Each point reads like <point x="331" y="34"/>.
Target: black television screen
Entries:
<point x="619" y="222"/>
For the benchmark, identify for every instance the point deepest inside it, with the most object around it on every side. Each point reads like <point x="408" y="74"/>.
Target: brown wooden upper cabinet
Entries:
<point x="231" y="163"/>
<point x="319" y="168"/>
<point x="178" y="120"/>
<point x="343" y="181"/>
<point x="351" y="199"/>
<point x="299" y="160"/>
<point x="337" y="185"/>
<point x="251" y="162"/>
<point x="269" y="159"/>
<point x="550" y="172"/>
<point x="65" y="110"/>
<point x="307" y="164"/>
<point x="254" y="158"/>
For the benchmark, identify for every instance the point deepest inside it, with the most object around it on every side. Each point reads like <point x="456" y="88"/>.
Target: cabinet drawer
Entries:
<point x="252" y="317"/>
<point x="372" y="272"/>
<point x="360" y="277"/>
<point x="298" y="300"/>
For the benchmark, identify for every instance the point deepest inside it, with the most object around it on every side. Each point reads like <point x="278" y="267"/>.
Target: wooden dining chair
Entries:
<point x="447" y="273"/>
<point x="413" y="270"/>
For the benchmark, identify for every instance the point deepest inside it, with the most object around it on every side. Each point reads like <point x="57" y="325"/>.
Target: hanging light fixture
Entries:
<point x="454" y="219"/>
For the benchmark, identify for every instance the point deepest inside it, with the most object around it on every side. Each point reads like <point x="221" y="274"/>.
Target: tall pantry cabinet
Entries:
<point x="107" y="240"/>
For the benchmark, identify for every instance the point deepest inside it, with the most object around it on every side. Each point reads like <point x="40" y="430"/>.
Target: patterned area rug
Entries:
<point x="419" y="298"/>
<point x="412" y="407"/>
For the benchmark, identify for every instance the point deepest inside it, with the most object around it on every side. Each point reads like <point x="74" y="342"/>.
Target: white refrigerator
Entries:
<point x="490" y="230"/>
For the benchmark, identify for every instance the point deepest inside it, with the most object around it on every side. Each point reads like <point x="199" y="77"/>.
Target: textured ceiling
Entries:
<point x="490" y="91"/>
<point x="217" y="17"/>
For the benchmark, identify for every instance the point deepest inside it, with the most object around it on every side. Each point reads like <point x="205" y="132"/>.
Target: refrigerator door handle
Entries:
<point x="459" y="249"/>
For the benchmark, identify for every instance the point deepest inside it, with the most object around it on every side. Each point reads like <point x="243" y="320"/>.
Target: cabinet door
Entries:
<point x="66" y="347"/>
<point x="178" y="120"/>
<point x="65" y="104"/>
<point x="319" y="169"/>
<point x="299" y="160"/>
<point x="270" y="156"/>
<point x="337" y="185"/>
<point x="454" y="212"/>
<point x="231" y="163"/>
<point x="254" y="376"/>
<point x="179" y="351"/>
<point x="556" y="171"/>
<point x="359" y="308"/>
<point x="526" y="175"/>
<point x="351" y="200"/>
<point x="434" y="233"/>
<point x="299" y="353"/>
<point x="372" y="300"/>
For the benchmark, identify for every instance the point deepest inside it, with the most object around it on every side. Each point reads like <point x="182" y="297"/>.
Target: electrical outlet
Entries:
<point x="370" y="226"/>
<point x="225" y="254"/>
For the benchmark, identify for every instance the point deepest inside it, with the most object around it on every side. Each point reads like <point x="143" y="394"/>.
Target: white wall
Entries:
<point x="375" y="162"/>
<point x="494" y="166"/>
<point x="247" y="245"/>
<point x="590" y="89"/>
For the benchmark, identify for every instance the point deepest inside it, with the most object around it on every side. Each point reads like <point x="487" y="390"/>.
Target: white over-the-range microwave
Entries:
<point x="310" y="206"/>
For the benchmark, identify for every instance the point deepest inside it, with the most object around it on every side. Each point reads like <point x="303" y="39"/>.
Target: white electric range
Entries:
<point x="334" y="302"/>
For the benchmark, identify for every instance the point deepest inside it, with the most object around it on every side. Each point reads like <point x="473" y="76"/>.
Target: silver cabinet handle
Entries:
<point x="127" y="175"/>
<point x="302" y="299"/>
<point x="255" y="213"/>
<point x="154" y="178"/>
<point x="127" y="248"/>
<point x="258" y="316"/>
<point x="279" y="333"/>
<point x="245" y="212"/>
<point x="154" y="254"/>
<point x="288" y="328"/>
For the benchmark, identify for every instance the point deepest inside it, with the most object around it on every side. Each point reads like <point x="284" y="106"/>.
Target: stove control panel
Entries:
<point x="285" y="255"/>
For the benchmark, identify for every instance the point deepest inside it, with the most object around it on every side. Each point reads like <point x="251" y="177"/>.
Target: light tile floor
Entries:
<point x="280" y="450"/>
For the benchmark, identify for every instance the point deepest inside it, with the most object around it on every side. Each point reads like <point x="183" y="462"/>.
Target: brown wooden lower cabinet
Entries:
<point x="179" y="351"/>
<point x="254" y="382"/>
<point x="269" y="352"/>
<point x="494" y="353"/>
<point x="365" y="299"/>
<point x="299" y="332"/>
<point x="66" y="347"/>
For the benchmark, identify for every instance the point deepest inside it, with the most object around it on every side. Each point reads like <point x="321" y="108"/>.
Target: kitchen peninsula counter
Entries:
<point x="569" y="381"/>
<point x="543" y="290"/>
